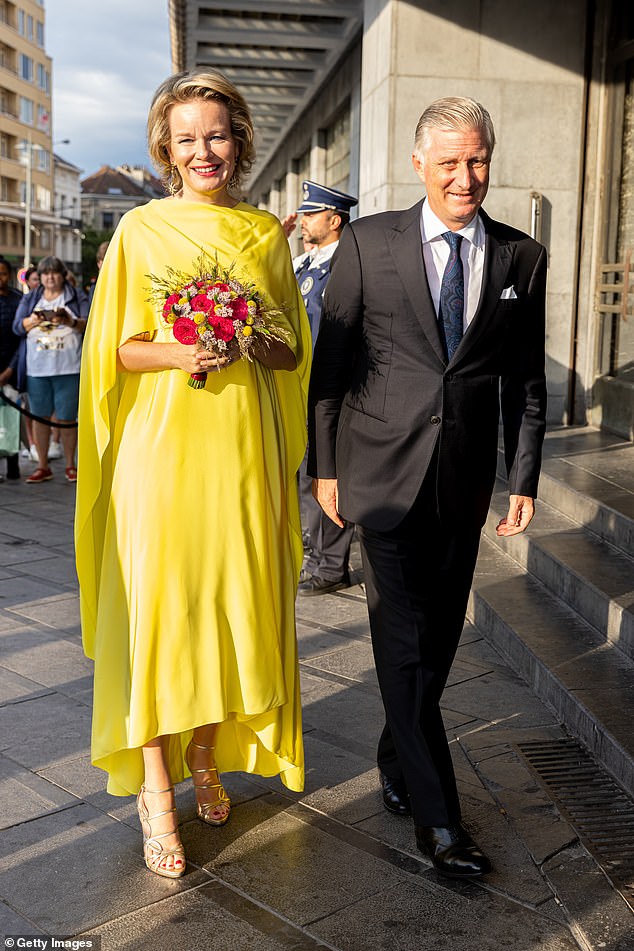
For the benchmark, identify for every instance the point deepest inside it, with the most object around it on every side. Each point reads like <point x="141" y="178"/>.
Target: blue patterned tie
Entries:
<point x="451" y="306"/>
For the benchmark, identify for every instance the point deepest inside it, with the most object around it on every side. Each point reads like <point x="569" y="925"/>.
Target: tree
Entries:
<point x="92" y="240"/>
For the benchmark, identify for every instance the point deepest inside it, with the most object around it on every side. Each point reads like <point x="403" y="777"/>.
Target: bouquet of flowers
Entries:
<point x="213" y="309"/>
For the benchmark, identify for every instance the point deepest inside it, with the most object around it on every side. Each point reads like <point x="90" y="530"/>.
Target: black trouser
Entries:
<point x="417" y="580"/>
<point x="329" y="544"/>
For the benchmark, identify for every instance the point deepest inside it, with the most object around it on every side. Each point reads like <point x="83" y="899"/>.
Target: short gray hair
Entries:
<point x="450" y="114"/>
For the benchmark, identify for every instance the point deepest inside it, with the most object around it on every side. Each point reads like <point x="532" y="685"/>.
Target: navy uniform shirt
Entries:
<point x="312" y="276"/>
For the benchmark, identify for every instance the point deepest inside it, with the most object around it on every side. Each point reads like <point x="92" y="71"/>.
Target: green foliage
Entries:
<point x="92" y="240"/>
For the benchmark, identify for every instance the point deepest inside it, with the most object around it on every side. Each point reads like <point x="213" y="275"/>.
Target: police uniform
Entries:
<point x="327" y="557"/>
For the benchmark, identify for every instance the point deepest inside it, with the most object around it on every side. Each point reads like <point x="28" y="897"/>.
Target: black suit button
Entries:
<point x="434" y="420"/>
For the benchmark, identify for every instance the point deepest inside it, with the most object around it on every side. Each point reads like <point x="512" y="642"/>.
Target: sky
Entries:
<point x="108" y="59"/>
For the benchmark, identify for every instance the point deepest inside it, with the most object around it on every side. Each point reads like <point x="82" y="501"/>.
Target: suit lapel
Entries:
<point x="406" y="247"/>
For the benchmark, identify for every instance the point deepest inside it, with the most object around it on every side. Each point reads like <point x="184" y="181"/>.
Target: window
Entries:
<point x="43" y="78"/>
<point x="107" y="220"/>
<point x="29" y="28"/>
<point x="4" y="146"/>
<point x="26" y="110"/>
<point x="26" y="68"/>
<point x="43" y="198"/>
<point x="23" y="193"/>
<point x="42" y="160"/>
<point x="21" y="22"/>
<point x="40" y="34"/>
<point x="43" y="119"/>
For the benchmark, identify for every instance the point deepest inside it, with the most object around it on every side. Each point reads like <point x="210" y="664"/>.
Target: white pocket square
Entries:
<point x="508" y="294"/>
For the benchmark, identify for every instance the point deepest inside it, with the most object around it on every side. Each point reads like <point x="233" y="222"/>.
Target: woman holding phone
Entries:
<point x="50" y="321"/>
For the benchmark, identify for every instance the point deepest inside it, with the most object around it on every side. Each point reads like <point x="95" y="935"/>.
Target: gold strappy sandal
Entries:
<point x="221" y="804"/>
<point x="154" y="852"/>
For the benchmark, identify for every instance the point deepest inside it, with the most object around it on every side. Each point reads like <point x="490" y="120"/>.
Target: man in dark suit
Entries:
<point x="433" y="318"/>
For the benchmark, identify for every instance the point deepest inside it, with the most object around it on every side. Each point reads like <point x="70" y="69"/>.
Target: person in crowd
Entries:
<point x="429" y="315"/>
<point x="187" y="528"/>
<point x="31" y="279"/>
<point x="51" y="320"/>
<point x="9" y="342"/>
<point x="99" y="256"/>
<point x="325" y="212"/>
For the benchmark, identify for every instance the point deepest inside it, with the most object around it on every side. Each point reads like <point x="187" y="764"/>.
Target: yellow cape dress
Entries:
<point x="188" y="540"/>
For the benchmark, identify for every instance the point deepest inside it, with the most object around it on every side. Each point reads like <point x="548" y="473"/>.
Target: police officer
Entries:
<point x="325" y="212"/>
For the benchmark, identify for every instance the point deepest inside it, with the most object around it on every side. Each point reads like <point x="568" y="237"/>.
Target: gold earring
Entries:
<point x="171" y="187"/>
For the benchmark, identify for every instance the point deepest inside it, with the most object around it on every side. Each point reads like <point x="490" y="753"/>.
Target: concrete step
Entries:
<point x="591" y="576"/>
<point x="569" y="663"/>
<point x="588" y="475"/>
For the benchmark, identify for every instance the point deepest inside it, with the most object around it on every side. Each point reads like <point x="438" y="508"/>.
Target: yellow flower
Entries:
<point x="250" y="321"/>
<point x="247" y="331"/>
<point x="198" y="317"/>
<point x="200" y="329"/>
<point x="183" y="300"/>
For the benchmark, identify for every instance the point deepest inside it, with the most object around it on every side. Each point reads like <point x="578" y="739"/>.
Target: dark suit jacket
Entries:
<point x="382" y="396"/>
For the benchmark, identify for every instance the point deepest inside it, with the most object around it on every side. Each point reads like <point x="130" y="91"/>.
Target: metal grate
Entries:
<point x="596" y="805"/>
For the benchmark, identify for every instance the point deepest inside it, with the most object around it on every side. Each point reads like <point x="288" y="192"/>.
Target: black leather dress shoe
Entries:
<point x="316" y="585"/>
<point x="395" y="795"/>
<point x="452" y="850"/>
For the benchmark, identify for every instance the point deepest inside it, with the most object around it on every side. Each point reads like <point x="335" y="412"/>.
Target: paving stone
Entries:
<point x="25" y="795"/>
<point x="313" y="640"/>
<point x="53" y="663"/>
<point x="49" y="529"/>
<point x="537" y="821"/>
<point x="14" y="688"/>
<point x="354" y="662"/>
<point x="210" y="916"/>
<point x="343" y="711"/>
<point x="17" y="591"/>
<point x="71" y="870"/>
<point x="412" y="917"/>
<point x="17" y="551"/>
<point x="267" y="852"/>
<point x="61" y="568"/>
<point x="12" y="923"/>
<point x="27" y="735"/>
<point x="599" y="912"/>
<point x="60" y="612"/>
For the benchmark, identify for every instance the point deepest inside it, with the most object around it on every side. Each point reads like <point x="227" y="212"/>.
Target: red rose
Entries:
<point x="201" y="302"/>
<point x="239" y="307"/>
<point x="223" y="328"/>
<point x="221" y="287"/>
<point x="169" y="303"/>
<point x="185" y="330"/>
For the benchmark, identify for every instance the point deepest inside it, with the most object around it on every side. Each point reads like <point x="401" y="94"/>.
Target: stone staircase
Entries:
<point x="558" y="601"/>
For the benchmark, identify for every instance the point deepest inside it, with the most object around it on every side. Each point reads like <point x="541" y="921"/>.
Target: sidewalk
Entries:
<point x="326" y="869"/>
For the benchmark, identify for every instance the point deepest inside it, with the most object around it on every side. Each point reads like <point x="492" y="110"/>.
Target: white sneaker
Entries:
<point x="55" y="451"/>
<point x="33" y="454"/>
<point x="25" y="453"/>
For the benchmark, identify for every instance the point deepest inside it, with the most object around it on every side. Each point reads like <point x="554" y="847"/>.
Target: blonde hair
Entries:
<point x="206" y="84"/>
<point x="450" y="114"/>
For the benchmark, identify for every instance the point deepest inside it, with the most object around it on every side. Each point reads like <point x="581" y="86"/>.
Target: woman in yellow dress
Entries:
<point x="187" y="528"/>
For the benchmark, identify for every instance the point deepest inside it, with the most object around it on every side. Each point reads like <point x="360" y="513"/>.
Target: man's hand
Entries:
<point x="520" y="514"/>
<point x="288" y="223"/>
<point x="325" y="492"/>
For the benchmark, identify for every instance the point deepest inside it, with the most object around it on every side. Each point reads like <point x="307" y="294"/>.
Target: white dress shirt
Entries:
<point x="436" y="254"/>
